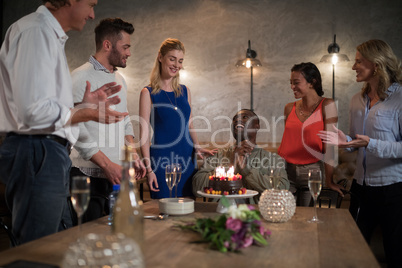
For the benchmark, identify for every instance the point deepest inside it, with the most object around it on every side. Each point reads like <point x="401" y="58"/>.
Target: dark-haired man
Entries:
<point x="97" y="152"/>
<point x="37" y="115"/>
<point x="253" y="163"/>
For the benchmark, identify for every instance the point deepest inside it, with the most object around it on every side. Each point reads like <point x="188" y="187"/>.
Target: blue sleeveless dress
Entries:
<point x="171" y="142"/>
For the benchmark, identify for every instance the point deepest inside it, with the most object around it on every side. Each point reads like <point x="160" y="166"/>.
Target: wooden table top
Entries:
<point x="335" y="243"/>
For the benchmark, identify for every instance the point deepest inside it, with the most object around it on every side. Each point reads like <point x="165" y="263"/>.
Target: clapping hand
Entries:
<point x="102" y="94"/>
<point x="334" y="137"/>
<point x="100" y="101"/>
<point x="242" y="151"/>
<point x="337" y="137"/>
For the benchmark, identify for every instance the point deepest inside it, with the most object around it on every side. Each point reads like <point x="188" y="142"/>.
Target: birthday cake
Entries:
<point x="225" y="183"/>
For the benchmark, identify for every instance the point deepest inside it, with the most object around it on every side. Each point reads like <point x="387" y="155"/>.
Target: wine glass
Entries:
<point x="178" y="176"/>
<point x="170" y="178"/>
<point x="315" y="184"/>
<point x="80" y="195"/>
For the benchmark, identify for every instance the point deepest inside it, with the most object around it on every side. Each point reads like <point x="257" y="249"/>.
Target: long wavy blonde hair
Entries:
<point x="389" y="67"/>
<point x="167" y="45"/>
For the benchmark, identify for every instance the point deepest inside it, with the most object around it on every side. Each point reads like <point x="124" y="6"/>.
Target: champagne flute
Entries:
<point x="178" y="176"/>
<point x="315" y="184"/>
<point x="170" y="178"/>
<point x="80" y="195"/>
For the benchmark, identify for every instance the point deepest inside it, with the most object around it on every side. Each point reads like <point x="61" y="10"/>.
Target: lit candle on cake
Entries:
<point x="230" y="173"/>
<point x="220" y="172"/>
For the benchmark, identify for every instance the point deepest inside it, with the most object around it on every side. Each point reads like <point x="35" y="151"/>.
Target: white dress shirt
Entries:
<point x="35" y="82"/>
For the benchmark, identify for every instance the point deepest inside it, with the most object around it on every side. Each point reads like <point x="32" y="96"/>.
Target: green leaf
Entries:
<point x="259" y="238"/>
<point x="225" y="201"/>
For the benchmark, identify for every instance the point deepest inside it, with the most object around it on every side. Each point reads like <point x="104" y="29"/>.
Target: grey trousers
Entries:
<point x="298" y="178"/>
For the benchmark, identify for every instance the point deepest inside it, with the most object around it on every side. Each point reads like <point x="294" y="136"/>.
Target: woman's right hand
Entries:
<point x="334" y="137"/>
<point x="152" y="182"/>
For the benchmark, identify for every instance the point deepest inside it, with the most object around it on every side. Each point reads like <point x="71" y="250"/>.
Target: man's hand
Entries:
<point x="95" y="105"/>
<point x="244" y="148"/>
<point x="102" y="94"/>
<point x="113" y="172"/>
<point x="241" y="152"/>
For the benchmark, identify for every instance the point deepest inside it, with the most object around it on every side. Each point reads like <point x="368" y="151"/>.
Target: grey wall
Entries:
<point x="215" y="34"/>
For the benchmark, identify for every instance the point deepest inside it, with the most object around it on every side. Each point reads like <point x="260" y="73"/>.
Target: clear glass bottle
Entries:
<point x="112" y="201"/>
<point x="128" y="213"/>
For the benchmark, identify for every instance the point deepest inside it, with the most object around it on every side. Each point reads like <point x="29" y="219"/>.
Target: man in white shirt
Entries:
<point x="37" y="114"/>
<point x="98" y="151"/>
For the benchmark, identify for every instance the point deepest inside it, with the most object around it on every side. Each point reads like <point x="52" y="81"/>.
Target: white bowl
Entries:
<point x="176" y="206"/>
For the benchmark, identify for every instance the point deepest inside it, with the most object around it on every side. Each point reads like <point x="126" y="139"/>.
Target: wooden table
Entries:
<point x="335" y="243"/>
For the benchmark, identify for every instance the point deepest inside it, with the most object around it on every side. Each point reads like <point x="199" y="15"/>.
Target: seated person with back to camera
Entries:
<point x="254" y="164"/>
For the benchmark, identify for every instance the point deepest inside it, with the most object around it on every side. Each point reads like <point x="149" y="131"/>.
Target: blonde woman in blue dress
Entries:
<point x="165" y="105"/>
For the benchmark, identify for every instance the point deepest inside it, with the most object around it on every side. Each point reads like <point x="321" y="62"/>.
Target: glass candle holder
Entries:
<point x="99" y="250"/>
<point x="277" y="205"/>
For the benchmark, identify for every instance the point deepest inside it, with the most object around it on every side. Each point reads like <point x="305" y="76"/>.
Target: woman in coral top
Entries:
<point x="301" y="147"/>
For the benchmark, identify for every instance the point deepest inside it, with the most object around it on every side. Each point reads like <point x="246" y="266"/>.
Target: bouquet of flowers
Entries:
<point x="239" y="228"/>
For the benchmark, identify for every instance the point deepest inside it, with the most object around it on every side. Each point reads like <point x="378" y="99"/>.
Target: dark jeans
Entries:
<point x="36" y="173"/>
<point x="382" y="206"/>
<point x="99" y="202"/>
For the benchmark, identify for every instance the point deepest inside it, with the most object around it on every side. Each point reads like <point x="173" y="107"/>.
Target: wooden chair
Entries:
<point x="330" y="197"/>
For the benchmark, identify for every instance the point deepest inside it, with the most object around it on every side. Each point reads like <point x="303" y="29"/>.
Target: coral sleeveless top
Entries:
<point x="300" y="144"/>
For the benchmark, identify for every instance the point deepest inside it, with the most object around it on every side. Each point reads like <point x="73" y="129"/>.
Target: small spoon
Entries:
<point x="161" y="216"/>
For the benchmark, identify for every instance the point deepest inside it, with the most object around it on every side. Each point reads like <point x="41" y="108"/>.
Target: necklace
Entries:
<point x="175" y="106"/>
<point x="312" y="110"/>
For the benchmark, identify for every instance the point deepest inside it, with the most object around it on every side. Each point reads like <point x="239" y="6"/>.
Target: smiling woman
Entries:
<point x="375" y="131"/>
<point x="301" y="147"/>
<point x="166" y="106"/>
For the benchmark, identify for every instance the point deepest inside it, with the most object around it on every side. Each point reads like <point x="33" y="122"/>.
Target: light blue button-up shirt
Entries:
<point x="380" y="163"/>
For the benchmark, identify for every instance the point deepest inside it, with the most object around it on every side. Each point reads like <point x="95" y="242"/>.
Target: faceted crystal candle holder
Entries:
<point x="100" y="250"/>
<point x="277" y="205"/>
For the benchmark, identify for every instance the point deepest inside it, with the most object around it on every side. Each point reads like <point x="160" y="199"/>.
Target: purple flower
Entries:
<point x="257" y="222"/>
<point x="250" y="207"/>
<point x="267" y="233"/>
<point x="233" y="224"/>
<point x="247" y="241"/>
<point x="261" y="230"/>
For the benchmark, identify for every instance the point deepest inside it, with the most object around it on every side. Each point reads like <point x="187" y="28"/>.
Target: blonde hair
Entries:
<point x="389" y="67"/>
<point x="166" y="46"/>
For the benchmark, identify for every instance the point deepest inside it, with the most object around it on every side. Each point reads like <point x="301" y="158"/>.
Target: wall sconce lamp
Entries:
<point x="334" y="57"/>
<point x="249" y="62"/>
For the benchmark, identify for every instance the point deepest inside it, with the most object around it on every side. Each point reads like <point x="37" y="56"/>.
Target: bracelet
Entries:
<point x="150" y="172"/>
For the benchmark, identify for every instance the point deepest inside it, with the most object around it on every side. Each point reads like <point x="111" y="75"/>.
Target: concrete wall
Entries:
<point x="215" y="34"/>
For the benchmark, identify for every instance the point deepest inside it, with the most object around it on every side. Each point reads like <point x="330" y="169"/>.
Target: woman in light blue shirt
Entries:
<point x="376" y="132"/>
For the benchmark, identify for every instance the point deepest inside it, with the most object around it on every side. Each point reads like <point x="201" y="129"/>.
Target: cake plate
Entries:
<point x="231" y="198"/>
